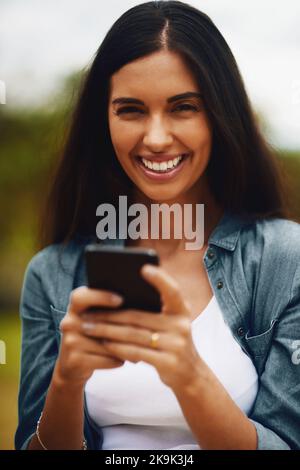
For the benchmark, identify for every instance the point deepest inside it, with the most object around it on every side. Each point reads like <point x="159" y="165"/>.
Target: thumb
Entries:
<point x="171" y="295"/>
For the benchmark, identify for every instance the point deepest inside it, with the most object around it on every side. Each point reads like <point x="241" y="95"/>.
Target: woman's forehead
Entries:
<point x="163" y="74"/>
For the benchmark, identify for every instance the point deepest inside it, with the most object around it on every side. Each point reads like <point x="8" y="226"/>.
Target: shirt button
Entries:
<point x="220" y="285"/>
<point x="210" y="254"/>
<point x="240" y="331"/>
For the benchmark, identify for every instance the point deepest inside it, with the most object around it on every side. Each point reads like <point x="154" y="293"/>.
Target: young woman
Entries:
<point x="163" y="117"/>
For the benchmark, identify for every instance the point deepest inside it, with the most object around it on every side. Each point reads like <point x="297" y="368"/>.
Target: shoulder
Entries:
<point x="279" y="230"/>
<point x="46" y="261"/>
<point x="57" y="256"/>
<point x="274" y="237"/>
<point x="50" y="273"/>
<point x="53" y="268"/>
<point x="47" y="256"/>
<point x="270" y="252"/>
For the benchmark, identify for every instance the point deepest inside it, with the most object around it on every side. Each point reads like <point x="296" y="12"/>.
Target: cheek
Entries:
<point x="199" y="135"/>
<point x="199" y="139"/>
<point x="123" y="139"/>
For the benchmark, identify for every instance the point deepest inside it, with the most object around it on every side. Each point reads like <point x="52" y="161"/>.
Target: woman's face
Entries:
<point x="162" y="141"/>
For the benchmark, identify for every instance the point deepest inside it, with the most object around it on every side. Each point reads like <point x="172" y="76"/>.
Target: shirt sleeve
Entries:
<point x="276" y="411"/>
<point x="39" y="351"/>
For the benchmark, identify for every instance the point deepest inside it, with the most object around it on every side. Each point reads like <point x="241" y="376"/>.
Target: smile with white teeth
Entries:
<point x="163" y="166"/>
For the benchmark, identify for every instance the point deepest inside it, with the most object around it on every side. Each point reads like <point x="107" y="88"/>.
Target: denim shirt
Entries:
<point x="254" y="271"/>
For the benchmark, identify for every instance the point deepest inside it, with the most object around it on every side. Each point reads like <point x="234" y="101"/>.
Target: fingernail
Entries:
<point x="116" y="299"/>
<point x="88" y="325"/>
<point x="149" y="270"/>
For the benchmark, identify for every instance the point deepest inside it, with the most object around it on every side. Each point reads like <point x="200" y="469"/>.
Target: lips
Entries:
<point x="163" y="157"/>
<point x="165" y="174"/>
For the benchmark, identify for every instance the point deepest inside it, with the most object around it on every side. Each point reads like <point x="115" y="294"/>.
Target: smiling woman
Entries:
<point x="163" y="117"/>
<point x="131" y="88"/>
<point x="159" y="130"/>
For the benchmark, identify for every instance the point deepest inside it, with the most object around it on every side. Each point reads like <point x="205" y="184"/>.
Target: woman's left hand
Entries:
<point x="128" y="333"/>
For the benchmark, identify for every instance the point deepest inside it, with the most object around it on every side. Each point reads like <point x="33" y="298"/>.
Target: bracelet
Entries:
<point x="37" y="432"/>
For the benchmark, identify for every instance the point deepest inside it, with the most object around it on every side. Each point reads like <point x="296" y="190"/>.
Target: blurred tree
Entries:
<point x="30" y="141"/>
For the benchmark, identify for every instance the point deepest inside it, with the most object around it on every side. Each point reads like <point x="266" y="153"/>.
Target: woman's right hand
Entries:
<point x="79" y="354"/>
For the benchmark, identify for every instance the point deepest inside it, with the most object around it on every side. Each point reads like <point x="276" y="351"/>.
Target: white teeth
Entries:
<point x="147" y="163"/>
<point x="164" y="166"/>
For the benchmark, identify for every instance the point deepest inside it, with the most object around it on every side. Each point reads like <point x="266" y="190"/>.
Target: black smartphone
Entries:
<point x="117" y="269"/>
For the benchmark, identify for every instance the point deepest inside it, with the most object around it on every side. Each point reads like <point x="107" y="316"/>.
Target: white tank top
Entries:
<point x="136" y="410"/>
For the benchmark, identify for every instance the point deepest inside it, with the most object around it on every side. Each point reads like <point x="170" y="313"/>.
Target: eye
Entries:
<point x="128" y="109"/>
<point x="133" y="109"/>
<point x="185" y="107"/>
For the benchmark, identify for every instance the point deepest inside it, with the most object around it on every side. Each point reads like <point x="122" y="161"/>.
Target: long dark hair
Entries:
<point x="243" y="172"/>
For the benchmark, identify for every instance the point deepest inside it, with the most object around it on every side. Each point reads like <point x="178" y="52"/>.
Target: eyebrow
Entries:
<point x="188" y="94"/>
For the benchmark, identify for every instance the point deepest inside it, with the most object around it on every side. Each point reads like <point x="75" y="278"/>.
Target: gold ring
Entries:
<point x="154" y="340"/>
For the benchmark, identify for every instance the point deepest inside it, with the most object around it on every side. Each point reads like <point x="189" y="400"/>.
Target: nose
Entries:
<point x="157" y="135"/>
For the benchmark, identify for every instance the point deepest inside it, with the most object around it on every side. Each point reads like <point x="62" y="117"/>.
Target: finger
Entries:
<point x="138" y="336"/>
<point x="139" y="318"/>
<point x="84" y="344"/>
<point x="168" y="288"/>
<point x="92" y="361"/>
<point x="84" y="297"/>
<point x="132" y="353"/>
<point x="124" y="334"/>
<point x="130" y="335"/>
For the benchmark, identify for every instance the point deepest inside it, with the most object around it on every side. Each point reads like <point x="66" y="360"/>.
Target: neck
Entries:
<point x="172" y="246"/>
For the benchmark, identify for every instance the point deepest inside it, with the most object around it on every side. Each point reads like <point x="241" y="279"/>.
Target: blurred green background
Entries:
<point x="30" y="140"/>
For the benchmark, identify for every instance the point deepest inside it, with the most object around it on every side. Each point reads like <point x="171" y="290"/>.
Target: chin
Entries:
<point x="162" y="195"/>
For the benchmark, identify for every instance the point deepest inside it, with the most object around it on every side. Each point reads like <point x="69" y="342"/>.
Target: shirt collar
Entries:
<point x="227" y="231"/>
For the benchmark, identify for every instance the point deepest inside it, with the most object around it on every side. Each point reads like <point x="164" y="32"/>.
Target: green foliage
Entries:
<point x="10" y="333"/>
<point x="30" y="143"/>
